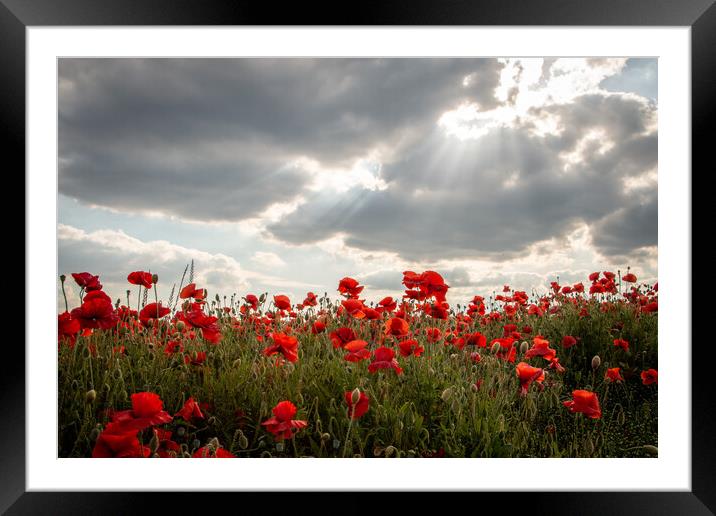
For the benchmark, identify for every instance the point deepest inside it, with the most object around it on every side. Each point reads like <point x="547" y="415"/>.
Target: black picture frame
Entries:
<point x="700" y="15"/>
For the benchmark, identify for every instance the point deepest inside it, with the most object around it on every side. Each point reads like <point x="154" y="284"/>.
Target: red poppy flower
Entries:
<point x="206" y="452"/>
<point x="87" y="281"/>
<point x="359" y="409"/>
<point x="196" y="317"/>
<point x="528" y="374"/>
<point x="384" y="358"/>
<point x="117" y="441"/>
<point x="356" y="351"/>
<point x="282" y="302"/>
<point x="140" y="278"/>
<point x="541" y="349"/>
<point x="282" y="424"/>
<point x="614" y="375"/>
<point x="629" y="278"/>
<point x="568" y="341"/>
<point x="349" y="287"/>
<point x="397" y="327"/>
<point x="190" y="291"/>
<point x="196" y="359"/>
<point x="432" y="284"/>
<point x="341" y="337"/>
<point x="410" y="347"/>
<point x="311" y="299"/>
<point x="621" y="343"/>
<point x="96" y="311"/>
<point x="252" y="301"/>
<point x="649" y="376"/>
<point x="354" y="307"/>
<point x="153" y="311"/>
<point x="190" y="410"/>
<point x="147" y="410"/>
<point x="594" y="276"/>
<point x="585" y="402"/>
<point x="318" y="327"/>
<point x="67" y="328"/>
<point x="433" y="334"/>
<point x="387" y="304"/>
<point x="283" y="344"/>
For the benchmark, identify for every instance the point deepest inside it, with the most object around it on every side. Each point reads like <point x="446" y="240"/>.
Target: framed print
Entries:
<point x="432" y="236"/>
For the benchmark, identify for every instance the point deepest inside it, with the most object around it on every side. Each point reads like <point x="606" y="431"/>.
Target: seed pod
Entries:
<point x="279" y="446"/>
<point x="621" y="418"/>
<point x="524" y="347"/>
<point x="91" y="396"/>
<point x="243" y="441"/>
<point x="447" y="394"/>
<point x="355" y="395"/>
<point x="596" y="362"/>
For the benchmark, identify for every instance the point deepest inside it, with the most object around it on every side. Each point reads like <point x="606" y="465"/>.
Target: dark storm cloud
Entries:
<point x="152" y="134"/>
<point x="628" y="229"/>
<point x="494" y="196"/>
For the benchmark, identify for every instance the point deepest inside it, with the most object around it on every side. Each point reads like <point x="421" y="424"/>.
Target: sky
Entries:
<point x="286" y="175"/>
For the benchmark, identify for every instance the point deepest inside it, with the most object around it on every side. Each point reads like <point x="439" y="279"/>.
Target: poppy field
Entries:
<point x="571" y="372"/>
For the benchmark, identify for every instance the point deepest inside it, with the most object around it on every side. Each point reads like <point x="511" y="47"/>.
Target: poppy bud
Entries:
<point x="621" y="418"/>
<point x="596" y="362"/>
<point x="377" y="451"/>
<point x="325" y="437"/>
<point x="180" y="325"/>
<point x="524" y="347"/>
<point x="181" y="431"/>
<point x="236" y="363"/>
<point x="390" y="451"/>
<point x="651" y="450"/>
<point x="196" y="444"/>
<point x="495" y="348"/>
<point x="214" y="443"/>
<point x="94" y="434"/>
<point x="91" y="396"/>
<point x="336" y="443"/>
<point x="63" y="278"/>
<point x="446" y="394"/>
<point x="211" y="420"/>
<point x="279" y="446"/>
<point x="454" y="356"/>
<point x="243" y="441"/>
<point x="355" y="396"/>
<point x="155" y="278"/>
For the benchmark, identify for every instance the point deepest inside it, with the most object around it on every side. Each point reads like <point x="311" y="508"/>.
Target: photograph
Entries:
<point x="357" y="257"/>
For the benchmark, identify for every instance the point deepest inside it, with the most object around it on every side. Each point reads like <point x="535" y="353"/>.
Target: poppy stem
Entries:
<point x="139" y="297"/>
<point x="350" y="427"/>
<point x="62" y="282"/>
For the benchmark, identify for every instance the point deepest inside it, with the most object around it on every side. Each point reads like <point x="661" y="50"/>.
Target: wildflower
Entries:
<point x="282" y="424"/>
<point x="96" y="311"/>
<point x="356" y="351"/>
<point x="350" y="288"/>
<point x="153" y="311"/>
<point x="613" y="375"/>
<point x="140" y="278"/>
<point x="147" y="410"/>
<point x="585" y="402"/>
<point x="190" y="291"/>
<point x="568" y="341"/>
<point x="621" y="343"/>
<point x="341" y="337"/>
<point x="528" y="374"/>
<point x="190" y="410"/>
<point x="87" y="281"/>
<point x="384" y="358"/>
<point x="282" y="302"/>
<point x="410" y="347"/>
<point x="649" y="376"/>
<point x="541" y="348"/>
<point x="285" y="345"/>
<point x="117" y="441"/>
<point x="397" y="327"/>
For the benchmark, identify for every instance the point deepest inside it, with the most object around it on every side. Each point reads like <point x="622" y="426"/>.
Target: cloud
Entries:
<point x="421" y="160"/>
<point x="494" y="196"/>
<point x="267" y="259"/>
<point x="223" y="139"/>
